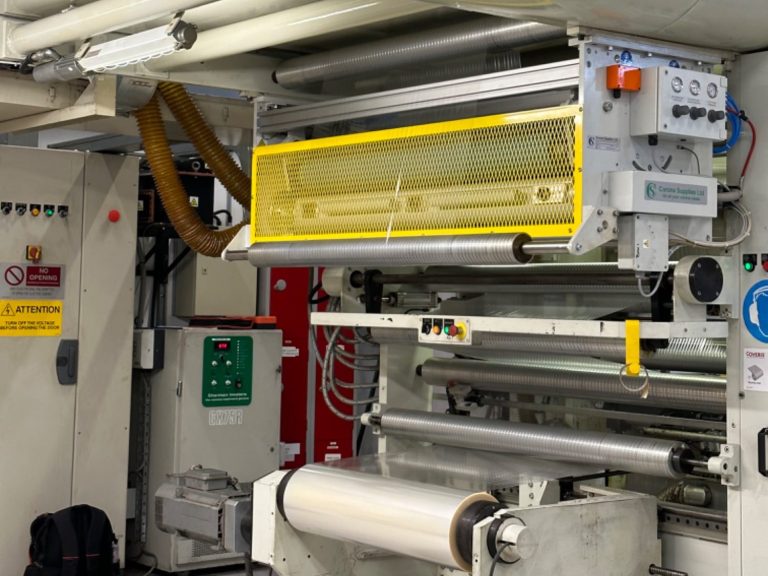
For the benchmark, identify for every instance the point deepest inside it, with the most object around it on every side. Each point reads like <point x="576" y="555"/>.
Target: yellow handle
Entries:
<point x="632" y="336"/>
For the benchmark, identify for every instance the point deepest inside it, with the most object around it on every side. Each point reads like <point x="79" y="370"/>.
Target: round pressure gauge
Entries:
<point x="712" y="90"/>
<point x="695" y="87"/>
<point x="677" y="84"/>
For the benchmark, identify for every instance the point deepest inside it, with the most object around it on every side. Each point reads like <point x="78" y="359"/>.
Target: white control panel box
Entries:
<point x="660" y="193"/>
<point x="678" y="103"/>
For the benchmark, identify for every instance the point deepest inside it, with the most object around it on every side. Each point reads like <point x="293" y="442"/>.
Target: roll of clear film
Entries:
<point x="407" y="518"/>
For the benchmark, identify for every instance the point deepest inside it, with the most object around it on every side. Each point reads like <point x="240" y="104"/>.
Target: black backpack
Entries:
<point x="76" y="541"/>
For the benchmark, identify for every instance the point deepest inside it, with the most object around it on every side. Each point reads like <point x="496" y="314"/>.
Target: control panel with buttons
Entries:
<point x="445" y="330"/>
<point x="33" y="209"/>
<point x="227" y="371"/>
<point x="679" y="103"/>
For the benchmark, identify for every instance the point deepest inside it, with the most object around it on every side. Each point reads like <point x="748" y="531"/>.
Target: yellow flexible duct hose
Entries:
<point x="185" y="219"/>
<point x="205" y="141"/>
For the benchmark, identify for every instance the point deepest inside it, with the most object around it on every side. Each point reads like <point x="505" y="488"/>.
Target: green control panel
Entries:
<point x="227" y="371"/>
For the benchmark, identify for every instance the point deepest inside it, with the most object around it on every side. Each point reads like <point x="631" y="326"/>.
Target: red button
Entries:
<point x="453" y="330"/>
<point x="765" y="265"/>
<point x="113" y="216"/>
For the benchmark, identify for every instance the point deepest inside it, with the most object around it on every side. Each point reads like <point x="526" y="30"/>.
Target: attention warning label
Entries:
<point x="31" y="317"/>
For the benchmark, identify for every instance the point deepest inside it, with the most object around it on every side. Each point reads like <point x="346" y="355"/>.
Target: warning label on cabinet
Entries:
<point x="31" y="281"/>
<point x="31" y="317"/>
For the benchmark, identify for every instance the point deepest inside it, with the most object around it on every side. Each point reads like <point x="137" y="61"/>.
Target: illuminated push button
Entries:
<point x="214" y="363"/>
<point x="227" y="382"/>
<point x="113" y="216"/>
<point x="435" y="329"/>
<point x="49" y="210"/>
<point x="34" y="210"/>
<point x="214" y="383"/>
<point x="452" y="330"/>
<point x="228" y="362"/>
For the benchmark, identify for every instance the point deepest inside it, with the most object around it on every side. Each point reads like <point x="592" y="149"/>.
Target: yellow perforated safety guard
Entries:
<point x="505" y="173"/>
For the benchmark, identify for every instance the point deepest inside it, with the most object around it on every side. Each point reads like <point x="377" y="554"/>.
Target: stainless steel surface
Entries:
<point x="544" y="248"/>
<point x="598" y="382"/>
<point x="686" y="435"/>
<point x="524" y="81"/>
<point x="634" y="454"/>
<point x="438" y="44"/>
<point x="435" y="250"/>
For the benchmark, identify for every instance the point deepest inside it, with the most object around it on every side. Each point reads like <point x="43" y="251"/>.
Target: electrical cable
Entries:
<point x="733" y="112"/>
<point x="497" y="557"/>
<point x="746" y="230"/>
<point x="693" y="153"/>
<point x="655" y="289"/>
<point x="752" y="145"/>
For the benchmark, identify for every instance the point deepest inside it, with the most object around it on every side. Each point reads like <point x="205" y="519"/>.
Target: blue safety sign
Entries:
<point x="755" y="312"/>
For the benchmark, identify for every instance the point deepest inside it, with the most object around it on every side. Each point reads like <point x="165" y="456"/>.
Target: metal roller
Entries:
<point x="649" y="456"/>
<point x="597" y="381"/>
<point x="682" y="355"/>
<point x="493" y="249"/>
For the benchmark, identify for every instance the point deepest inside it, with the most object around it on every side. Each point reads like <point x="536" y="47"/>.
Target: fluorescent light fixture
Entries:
<point x="136" y="48"/>
<point x="115" y="54"/>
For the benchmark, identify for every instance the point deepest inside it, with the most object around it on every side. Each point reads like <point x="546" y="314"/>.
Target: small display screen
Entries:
<point x="221" y="346"/>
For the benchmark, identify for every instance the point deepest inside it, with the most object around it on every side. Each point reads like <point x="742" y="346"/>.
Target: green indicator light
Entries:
<point x="748" y="266"/>
<point x="446" y="329"/>
<point x="49" y="212"/>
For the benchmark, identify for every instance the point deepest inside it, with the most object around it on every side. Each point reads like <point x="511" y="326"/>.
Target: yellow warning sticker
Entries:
<point x="31" y="317"/>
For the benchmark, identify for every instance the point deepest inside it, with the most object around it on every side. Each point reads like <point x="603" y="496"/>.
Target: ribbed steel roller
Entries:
<point x="685" y="355"/>
<point x="400" y="251"/>
<point x="580" y="380"/>
<point x="631" y="453"/>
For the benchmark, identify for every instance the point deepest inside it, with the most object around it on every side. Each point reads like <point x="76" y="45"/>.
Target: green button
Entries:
<point x="748" y="266"/>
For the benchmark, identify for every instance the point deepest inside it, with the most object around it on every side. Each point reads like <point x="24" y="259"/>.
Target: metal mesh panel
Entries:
<point x="496" y="174"/>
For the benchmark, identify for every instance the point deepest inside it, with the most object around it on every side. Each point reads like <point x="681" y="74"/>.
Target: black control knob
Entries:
<point x="6" y="208"/>
<point x="697" y="113"/>
<point x="679" y="110"/>
<point x="715" y="115"/>
<point x="21" y="209"/>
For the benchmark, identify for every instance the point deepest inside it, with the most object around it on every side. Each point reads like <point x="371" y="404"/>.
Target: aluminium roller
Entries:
<point x="649" y="456"/>
<point x="495" y="249"/>
<point x="683" y="355"/>
<point x="596" y="381"/>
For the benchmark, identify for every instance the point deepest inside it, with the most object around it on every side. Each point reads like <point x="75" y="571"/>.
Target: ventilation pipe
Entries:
<point x="287" y="26"/>
<point x="185" y="219"/>
<point x="440" y="44"/>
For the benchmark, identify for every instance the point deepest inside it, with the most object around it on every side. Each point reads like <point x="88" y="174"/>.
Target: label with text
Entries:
<point x="23" y="281"/>
<point x="31" y="317"/>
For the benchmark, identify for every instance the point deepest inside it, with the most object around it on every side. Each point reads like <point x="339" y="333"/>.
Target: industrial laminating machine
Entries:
<point x="557" y="290"/>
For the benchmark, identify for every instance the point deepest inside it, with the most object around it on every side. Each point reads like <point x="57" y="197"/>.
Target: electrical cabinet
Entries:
<point x="216" y="403"/>
<point x="66" y="313"/>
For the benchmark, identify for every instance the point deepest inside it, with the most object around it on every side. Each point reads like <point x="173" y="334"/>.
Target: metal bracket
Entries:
<point x="599" y="228"/>
<point x="727" y="465"/>
<point x="538" y="493"/>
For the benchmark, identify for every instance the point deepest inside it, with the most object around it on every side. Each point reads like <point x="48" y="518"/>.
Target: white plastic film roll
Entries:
<point x="408" y="518"/>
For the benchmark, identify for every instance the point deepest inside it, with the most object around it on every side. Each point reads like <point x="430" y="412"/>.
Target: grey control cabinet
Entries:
<point x="216" y="403"/>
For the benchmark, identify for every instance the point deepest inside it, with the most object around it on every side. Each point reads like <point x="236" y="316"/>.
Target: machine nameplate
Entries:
<point x="227" y="371"/>
<point x="674" y="192"/>
<point x="31" y="317"/>
<point x="23" y="281"/>
<point x="603" y="143"/>
<point x="225" y="417"/>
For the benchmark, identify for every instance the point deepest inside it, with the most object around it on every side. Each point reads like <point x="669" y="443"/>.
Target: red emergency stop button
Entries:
<point x="113" y="216"/>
